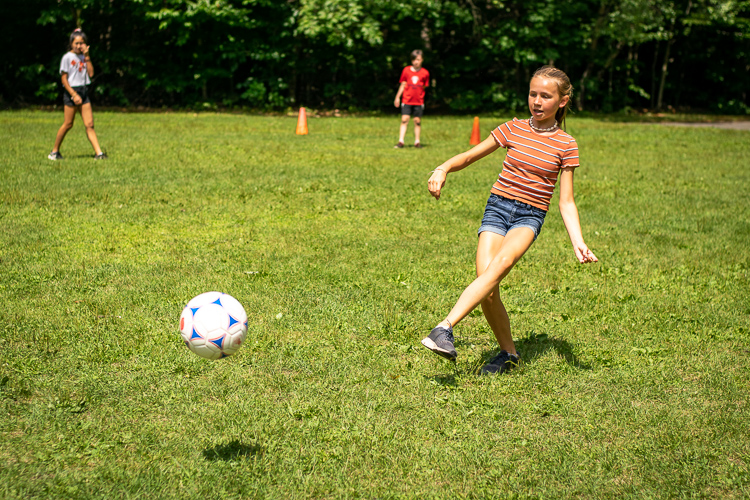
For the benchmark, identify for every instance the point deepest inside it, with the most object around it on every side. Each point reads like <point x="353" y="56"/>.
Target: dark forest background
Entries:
<point x="347" y="54"/>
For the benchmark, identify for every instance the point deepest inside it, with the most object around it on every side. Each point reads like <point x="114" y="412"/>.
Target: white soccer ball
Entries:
<point x="213" y="325"/>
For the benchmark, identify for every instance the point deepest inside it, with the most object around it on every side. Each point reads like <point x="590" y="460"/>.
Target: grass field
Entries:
<point x="636" y="378"/>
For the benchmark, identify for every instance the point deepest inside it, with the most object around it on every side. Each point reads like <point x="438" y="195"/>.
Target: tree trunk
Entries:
<point x="663" y="79"/>
<point x="598" y="25"/>
<point x="653" y="74"/>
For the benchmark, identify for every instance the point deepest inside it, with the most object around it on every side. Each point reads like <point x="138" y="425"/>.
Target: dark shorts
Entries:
<point x="81" y="91"/>
<point x="502" y="214"/>
<point x="412" y="110"/>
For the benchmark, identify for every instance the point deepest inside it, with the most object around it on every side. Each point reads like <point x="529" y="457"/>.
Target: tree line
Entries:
<point x="348" y="54"/>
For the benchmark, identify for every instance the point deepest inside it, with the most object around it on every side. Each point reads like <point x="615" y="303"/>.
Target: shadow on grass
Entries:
<point x="232" y="451"/>
<point x="530" y="348"/>
<point x="536" y="345"/>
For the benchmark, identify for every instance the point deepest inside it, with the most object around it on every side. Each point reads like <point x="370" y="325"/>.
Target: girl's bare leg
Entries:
<point x="69" y="118"/>
<point x="492" y="306"/>
<point x="507" y="253"/>
<point x="88" y="120"/>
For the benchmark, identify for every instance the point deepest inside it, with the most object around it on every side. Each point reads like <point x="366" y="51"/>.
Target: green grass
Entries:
<point x="635" y="382"/>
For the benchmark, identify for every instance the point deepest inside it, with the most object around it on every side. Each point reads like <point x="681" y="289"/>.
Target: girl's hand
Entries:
<point x="583" y="254"/>
<point x="77" y="100"/>
<point x="86" y="50"/>
<point x="436" y="182"/>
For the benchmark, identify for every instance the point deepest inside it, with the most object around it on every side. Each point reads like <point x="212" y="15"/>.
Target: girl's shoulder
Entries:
<point x="70" y="55"/>
<point x="514" y="123"/>
<point x="521" y="128"/>
<point x="564" y="136"/>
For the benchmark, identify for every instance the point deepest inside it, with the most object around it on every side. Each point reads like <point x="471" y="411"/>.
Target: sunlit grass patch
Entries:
<point x="633" y="380"/>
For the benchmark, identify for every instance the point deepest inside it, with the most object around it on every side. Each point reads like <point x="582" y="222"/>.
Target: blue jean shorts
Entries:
<point x="502" y="214"/>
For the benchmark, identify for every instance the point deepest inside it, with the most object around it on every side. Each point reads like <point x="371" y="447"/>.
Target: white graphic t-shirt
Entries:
<point x="75" y="66"/>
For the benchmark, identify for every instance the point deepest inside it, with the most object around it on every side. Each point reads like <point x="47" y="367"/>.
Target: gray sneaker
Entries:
<point x="503" y="362"/>
<point x="55" y="155"/>
<point x="440" y="341"/>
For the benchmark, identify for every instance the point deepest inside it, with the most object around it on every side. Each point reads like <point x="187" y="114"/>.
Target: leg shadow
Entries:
<point x="537" y="344"/>
<point x="234" y="450"/>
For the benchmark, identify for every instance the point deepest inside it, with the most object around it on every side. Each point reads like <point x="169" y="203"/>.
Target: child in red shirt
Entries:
<point x="413" y="81"/>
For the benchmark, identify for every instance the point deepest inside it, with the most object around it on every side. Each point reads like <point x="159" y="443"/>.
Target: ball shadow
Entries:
<point x="235" y="450"/>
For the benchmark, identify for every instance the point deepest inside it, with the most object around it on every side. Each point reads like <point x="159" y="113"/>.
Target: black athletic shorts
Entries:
<point x="81" y="91"/>
<point x="412" y="110"/>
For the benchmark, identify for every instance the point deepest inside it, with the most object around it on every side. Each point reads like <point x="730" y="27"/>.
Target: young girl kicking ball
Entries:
<point x="76" y="70"/>
<point x="538" y="153"/>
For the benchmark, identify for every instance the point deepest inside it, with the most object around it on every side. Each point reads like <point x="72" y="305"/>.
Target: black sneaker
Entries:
<point x="55" y="155"/>
<point x="440" y="341"/>
<point x="101" y="156"/>
<point x="418" y="145"/>
<point x="400" y="145"/>
<point x="503" y="362"/>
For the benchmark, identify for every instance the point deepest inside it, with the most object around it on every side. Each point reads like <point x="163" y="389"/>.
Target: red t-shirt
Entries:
<point x="416" y="81"/>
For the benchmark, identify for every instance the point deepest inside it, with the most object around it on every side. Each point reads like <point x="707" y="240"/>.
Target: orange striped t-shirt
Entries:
<point x="532" y="163"/>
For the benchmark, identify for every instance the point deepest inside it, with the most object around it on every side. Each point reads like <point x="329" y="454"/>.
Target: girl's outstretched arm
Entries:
<point x="459" y="162"/>
<point x="569" y="213"/>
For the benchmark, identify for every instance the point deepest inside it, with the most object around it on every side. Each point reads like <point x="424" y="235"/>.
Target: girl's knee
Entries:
<point x="491" y="299"/>
<point x="500" y="264"/>
<point x="89" y="125"/>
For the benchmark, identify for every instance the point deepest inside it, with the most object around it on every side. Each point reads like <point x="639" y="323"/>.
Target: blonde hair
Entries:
<point x="564" y="88"/>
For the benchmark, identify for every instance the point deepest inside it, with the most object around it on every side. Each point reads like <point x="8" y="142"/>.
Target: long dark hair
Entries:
<point x="76" y="33"/>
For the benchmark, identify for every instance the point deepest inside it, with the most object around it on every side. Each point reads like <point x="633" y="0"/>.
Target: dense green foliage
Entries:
<point x="635" y="382"/>
<point x="266" y="54"/>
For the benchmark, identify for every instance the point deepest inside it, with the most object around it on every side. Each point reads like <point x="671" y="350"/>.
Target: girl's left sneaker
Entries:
<point x="101" y="156"/>
<point x="55" y="155"/>
<point x="503" y="362"/>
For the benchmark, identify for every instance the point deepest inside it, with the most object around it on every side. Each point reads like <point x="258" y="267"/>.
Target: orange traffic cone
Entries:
<point x="475" y="139"/>
<point x="302" y="122"/>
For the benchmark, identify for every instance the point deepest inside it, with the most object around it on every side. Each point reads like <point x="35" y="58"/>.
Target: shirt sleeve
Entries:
<point x="426" y="78"/>
<point x="64" y="64"/>
<point x="570" y="155"/>
<point x="501" y="135"/>
<point x="403" y="78"/>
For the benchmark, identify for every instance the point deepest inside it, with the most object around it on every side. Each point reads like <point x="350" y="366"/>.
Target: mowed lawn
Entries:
<point x="636" y="374"/>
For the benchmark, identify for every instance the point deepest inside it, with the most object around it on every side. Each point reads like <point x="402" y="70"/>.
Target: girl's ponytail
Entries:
<point x="564" y="88"/>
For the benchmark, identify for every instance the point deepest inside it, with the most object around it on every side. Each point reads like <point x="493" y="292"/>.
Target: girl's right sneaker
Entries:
<point x="440" y="341"/>
<point x="55" y="155"/>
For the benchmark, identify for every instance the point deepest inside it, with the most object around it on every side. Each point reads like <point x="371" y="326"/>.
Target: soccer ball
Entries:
<point x="213" y="325"/>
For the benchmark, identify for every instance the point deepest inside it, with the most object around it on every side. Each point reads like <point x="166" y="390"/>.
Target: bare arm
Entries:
<point x="459" y="162"/>
<point x="89" y="64"/>
<point x="397" y="100"/>
<point x="569" y="213"/>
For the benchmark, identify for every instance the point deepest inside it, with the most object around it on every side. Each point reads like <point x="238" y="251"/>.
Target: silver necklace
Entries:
<point x="531" y="124"/>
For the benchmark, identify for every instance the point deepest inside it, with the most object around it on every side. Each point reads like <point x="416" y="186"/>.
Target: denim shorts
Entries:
<point x="502" y="214"/>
